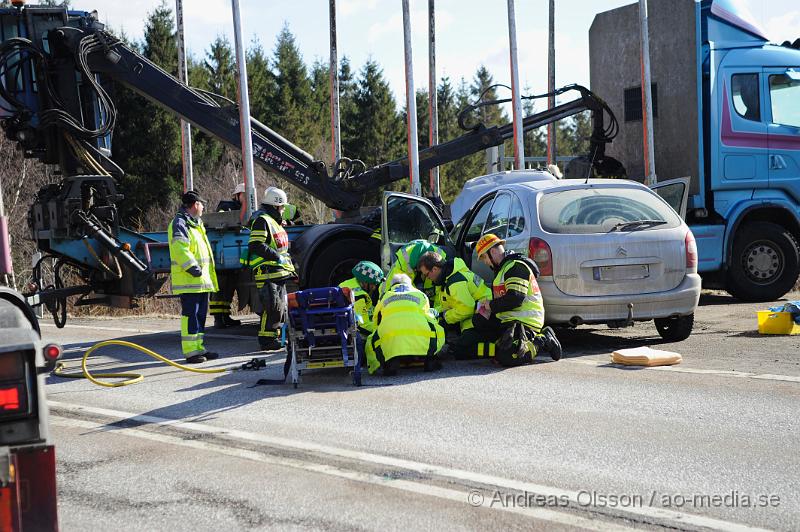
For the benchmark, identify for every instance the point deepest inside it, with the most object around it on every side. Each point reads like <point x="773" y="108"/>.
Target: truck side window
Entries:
<point x="744" y="91"/>
<point x="784" y="94"/>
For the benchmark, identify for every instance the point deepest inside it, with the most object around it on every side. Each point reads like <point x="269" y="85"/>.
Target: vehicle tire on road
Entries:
<point x="764" y="264"/>
<point x="334" y="263"/>
<point x="675" y="329"/>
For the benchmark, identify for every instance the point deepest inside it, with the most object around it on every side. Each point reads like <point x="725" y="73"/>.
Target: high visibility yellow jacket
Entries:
<point x="188" y="247"/>
<point x="268" y="251"/>
<point x="515" y="282"/>
<point x="461" y="290"/>
<point x="362" y="307"/>
<point x="404" y="326"/>
<point x="401" y="266"/>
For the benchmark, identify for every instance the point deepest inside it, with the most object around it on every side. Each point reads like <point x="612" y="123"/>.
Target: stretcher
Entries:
<point x="321" y="332"/>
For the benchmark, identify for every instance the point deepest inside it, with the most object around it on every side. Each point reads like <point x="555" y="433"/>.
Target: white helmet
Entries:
<point x="275" y="196"/>
<point x="239" y="188"/>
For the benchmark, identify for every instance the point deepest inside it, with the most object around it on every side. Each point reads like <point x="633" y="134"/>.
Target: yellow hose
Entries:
<point x="130" y="378"/>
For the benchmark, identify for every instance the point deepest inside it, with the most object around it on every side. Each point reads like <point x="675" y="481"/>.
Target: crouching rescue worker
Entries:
<point x="513" y="320"/>
<point x="460" y="291"/>
<point x="364" y="285"/>
<point x="405" y="328"/>
<point x="272" y="266"/>
<point x="193" y="274"/>
<point x="406" y="262"/>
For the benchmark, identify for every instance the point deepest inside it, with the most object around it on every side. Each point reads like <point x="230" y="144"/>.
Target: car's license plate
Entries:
<point x="626" y="272"/>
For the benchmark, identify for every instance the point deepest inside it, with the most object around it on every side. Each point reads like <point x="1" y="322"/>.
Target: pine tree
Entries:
<point x="146" y="140"/>
<point x="381" y="136"/>
<point x="293" y="100"/>
<point x="348" y="110"/>
<point x="221" y="68"/>
<point x="261" y="82"/>
<point x="319" y="112"/>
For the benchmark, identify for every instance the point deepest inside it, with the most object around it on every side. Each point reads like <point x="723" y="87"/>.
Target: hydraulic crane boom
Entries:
<point x="87" y="49"/>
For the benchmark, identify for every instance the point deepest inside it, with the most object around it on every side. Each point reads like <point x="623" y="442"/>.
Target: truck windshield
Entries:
<point x="785" y="95"/>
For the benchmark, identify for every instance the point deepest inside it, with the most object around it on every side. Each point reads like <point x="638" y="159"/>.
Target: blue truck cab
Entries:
<point x="727" y="121"/>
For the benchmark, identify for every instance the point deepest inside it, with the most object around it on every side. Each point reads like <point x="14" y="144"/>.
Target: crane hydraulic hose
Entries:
<point x="130" y="378"/>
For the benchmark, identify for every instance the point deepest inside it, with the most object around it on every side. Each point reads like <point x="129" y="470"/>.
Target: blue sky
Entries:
<point x="470" y="33"/>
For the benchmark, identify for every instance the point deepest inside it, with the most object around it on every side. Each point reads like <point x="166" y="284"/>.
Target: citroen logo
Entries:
<point x="622" y="252"/>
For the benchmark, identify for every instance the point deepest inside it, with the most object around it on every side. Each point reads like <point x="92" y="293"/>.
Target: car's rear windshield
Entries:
<point x="603" y="210"/>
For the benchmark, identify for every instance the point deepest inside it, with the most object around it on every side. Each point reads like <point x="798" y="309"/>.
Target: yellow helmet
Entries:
<point x="487" y="242"/>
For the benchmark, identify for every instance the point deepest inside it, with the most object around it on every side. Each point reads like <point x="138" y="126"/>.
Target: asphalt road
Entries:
<point x="576" y="444"/>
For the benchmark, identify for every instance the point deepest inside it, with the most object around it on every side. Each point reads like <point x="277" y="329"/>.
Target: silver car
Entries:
<point x="609" y="251"/>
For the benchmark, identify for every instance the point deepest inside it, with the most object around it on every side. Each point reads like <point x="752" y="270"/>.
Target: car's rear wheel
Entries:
<point x="675" y="329"/>
<point x="765" y="263"/>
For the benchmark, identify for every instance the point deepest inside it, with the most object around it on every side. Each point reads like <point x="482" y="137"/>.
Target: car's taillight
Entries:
<point x="539" y="251"/>
<point x="691" y="252"/>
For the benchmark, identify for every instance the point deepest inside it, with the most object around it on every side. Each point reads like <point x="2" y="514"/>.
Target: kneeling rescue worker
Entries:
<point x="268" y="256"/>
<point x="404" y="327"/>
<point x="459" y="291"/>
<point x="364" y="286"/>
<point x="193" y="274"/>
<point x="515" y="315"/>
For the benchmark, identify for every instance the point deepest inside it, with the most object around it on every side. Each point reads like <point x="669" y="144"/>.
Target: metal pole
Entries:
<point x="411" y="106"/>
<point x="551" y="83"/>
<point x="244" y="114"/>
<point x="519" y="146"/>
<point x="647" y="98"/>
<point x="433" y="111"/>
<point x="186" y="128"/>
<point x="336" y="132"/>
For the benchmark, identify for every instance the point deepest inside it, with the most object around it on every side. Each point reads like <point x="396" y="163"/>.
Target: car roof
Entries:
<point x="529" y="180"/>
<point x="477" y="187"/>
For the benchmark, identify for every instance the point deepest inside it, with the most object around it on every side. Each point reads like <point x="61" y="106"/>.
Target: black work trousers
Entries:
<point x="273" y="315"/>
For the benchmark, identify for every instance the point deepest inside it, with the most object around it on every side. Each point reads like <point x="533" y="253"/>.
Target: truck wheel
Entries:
<point x="334" y="263"/>
<point x="675" y="329"/>
<point x="765" y="262"/>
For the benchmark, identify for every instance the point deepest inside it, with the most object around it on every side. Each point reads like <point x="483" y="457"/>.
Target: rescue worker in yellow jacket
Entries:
<point x="364" y="286"/>
<point x="406" y="261"/>
<point x="272" y="266"/>
<point x="193" y="274"/>
<point x="514" y="318"/>
<point x="461" y="290"/>
<point x="405" y="327"/>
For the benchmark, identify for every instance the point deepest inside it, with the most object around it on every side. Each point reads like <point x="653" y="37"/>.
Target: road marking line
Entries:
<point x="463" y="497"/>
<point x="152" y="331"/>
<point x="676" y="369"/>
<point x="661" y="514"/>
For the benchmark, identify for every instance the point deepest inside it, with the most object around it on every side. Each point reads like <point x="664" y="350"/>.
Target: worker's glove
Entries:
<point x="442" y="320"/>
<point x="195" y="271"/>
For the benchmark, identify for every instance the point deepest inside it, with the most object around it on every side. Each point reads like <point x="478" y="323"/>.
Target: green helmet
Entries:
<point x="368" y="272"/>
<point x="420" y="248"/>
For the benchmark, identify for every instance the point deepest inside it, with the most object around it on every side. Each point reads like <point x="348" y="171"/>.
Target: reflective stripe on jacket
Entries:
<point x="275" y="236"/>
<point x="462" y="290"/>
<point x="404" y="326"/>
<point x="531" y="311"/>
<point x="188" y="247"/>
<point x="362" y="307"/>
<point x="401" y="266"/>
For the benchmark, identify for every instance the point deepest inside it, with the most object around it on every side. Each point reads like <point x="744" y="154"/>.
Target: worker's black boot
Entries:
<point x="230" y="322"/>
<point x="446" y="351"/>
<point x="390" y="368"/>
<point x="551" y="343"/>
<point x="270" y="344"/>
<point x="433" y="363"/>
<point x="219" y="321"/>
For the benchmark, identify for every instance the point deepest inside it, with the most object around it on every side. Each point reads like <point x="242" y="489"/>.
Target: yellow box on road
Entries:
<point x="776" y="323"/>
